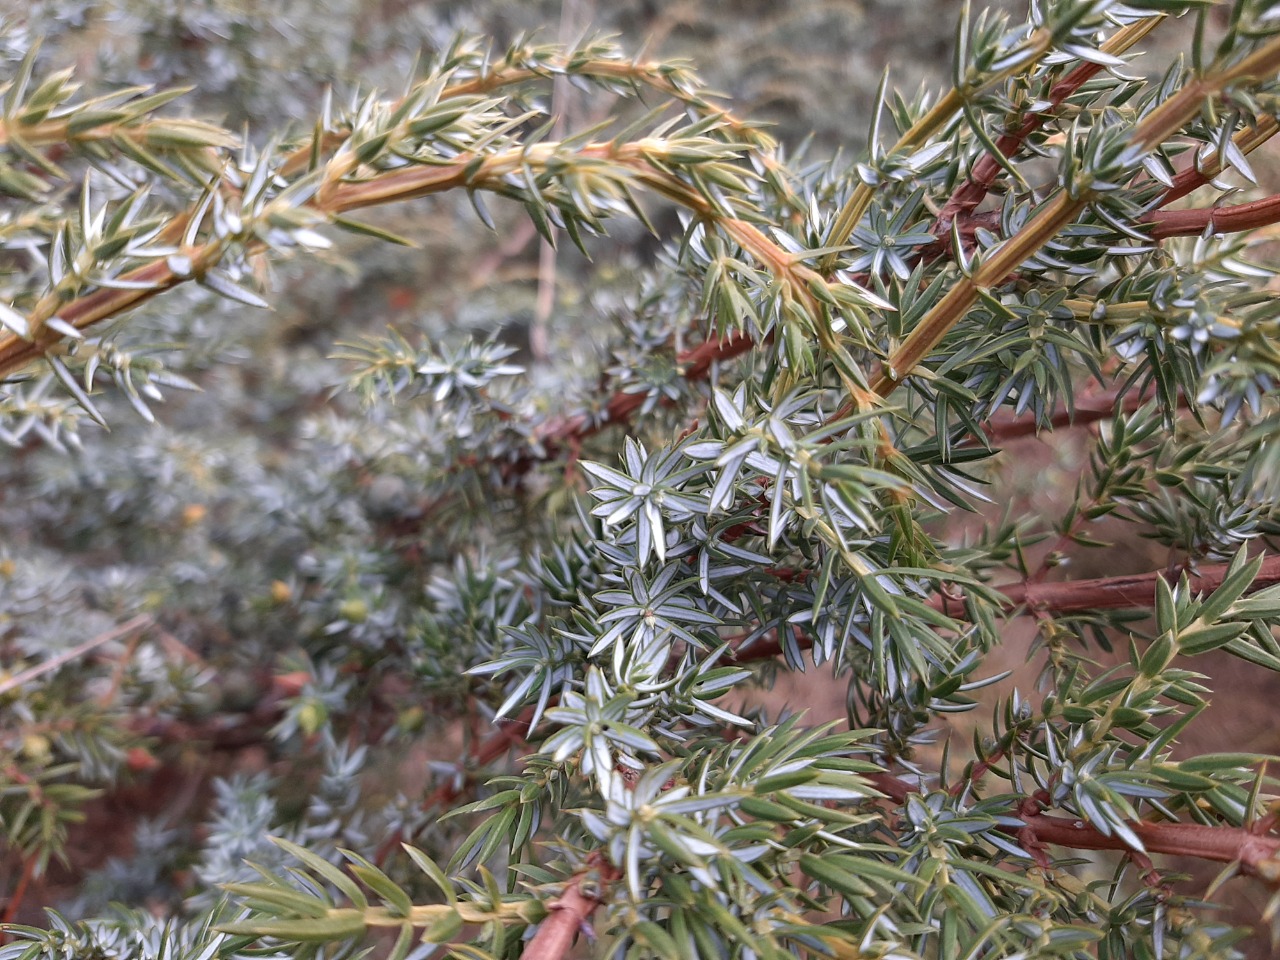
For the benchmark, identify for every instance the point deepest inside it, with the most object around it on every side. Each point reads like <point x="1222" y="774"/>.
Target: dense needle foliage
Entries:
<point x="547" y="568"/>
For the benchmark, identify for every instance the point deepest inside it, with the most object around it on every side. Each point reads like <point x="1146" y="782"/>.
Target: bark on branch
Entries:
<point x="572" y="911"/>
<point x="1257" y="854"/>
<point x="1127" y="592"/>
<point x="1135" y="591"/>
<point x="1236" y="218"/>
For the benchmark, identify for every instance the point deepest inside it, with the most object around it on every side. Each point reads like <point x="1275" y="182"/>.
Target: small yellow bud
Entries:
<point x="281" y="592"/>
<point x="411" y="719"/>
<point x="357" y="611"/>
<point x="37" y="747"/>
<point x="311" y="718"/>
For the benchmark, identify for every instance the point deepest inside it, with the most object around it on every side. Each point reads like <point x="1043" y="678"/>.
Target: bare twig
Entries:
<point x="561" y="103"/>
<point x="79" y="650"/>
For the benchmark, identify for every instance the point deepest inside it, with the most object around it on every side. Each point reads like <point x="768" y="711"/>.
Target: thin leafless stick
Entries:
<point x="66" y="656"/>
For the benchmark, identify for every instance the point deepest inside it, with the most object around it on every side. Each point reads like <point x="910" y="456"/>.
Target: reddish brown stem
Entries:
<point x="19" y="892"/>
<point x="1194" y="176"/>
<point x="572" y="911"/>
<point x="1258" y="856"/>
<point x="895" y="788"/>
<point x="1135" y="591"/>
<point x="1086" y="410"/>
<point x="695" y="364"/>
<point x="976" y="772"/>
<point x="1163" y="224"/>
<point x="1226" y="219"/>
<point x="988" y="167"/>
<point x="985" y="171"/>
